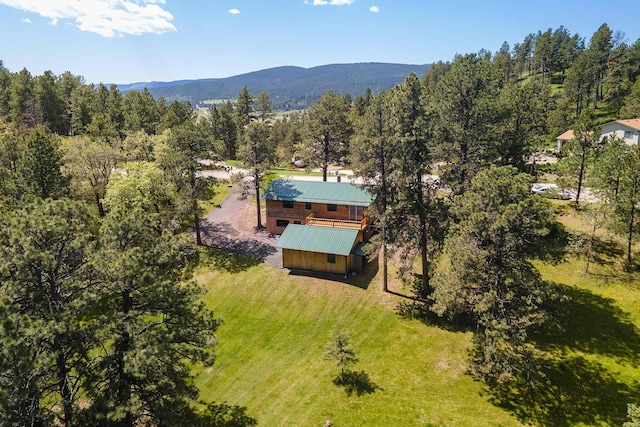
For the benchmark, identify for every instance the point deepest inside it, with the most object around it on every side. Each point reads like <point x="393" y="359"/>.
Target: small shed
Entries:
<point x="322" y="249"/>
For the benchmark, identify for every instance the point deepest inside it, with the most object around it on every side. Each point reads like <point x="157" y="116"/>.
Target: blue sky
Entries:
<point x="126" y="41"/>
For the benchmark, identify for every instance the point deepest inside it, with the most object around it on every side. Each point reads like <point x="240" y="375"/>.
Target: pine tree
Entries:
<point x="339" y="350"/>
<point x="485" y="275"/>
<point x="327" y="130"/>
<point x="258" y="153"/>
<point x="42" y="165"/>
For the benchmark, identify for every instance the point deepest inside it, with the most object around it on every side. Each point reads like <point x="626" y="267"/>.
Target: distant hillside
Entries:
<point x="288" y="87"/>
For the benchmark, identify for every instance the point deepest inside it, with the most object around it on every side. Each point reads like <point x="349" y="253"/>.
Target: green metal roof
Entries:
<point x="310" y="238"/>
<point x="358" y="249"/>
<point x="340" y="193"/>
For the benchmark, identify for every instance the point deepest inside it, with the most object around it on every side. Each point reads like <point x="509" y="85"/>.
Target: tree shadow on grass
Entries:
<point x="570" y="391"/>
<point x="566" y="388"/>
<point x="591" y="323"/>
<point x="573" y="389"/>
<point x="356" y="382"/>
<point x="221" y="260"/>
<point x="562" y="241"/>
<point x="606" y="251"/>
<point x="233" y="254"/>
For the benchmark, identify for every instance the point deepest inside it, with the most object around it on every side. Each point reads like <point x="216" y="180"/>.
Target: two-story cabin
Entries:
<point x="322" y="224"/>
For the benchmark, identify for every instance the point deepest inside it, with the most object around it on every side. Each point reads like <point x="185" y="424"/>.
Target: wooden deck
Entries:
<point x="336" y="223"/>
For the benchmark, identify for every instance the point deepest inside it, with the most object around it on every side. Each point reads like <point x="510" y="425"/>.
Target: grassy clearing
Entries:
<point x="413" y="373"/>
<point x="592" y="361"/>
<point x="270" y="356"/>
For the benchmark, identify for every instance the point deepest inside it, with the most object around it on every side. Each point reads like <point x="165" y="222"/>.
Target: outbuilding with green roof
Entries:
<point x="323" y="249"/>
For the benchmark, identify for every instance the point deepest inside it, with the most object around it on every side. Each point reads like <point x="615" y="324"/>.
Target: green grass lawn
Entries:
<point x="414" y="373"/>
<point x="271" y="346"/>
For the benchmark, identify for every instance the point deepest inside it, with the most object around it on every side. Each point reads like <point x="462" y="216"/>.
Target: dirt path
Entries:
<point x="231" y="227"/>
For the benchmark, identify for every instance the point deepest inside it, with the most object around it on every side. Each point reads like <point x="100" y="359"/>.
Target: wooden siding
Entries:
<point x="299" y="212"/>
<point x="276" y="211"/>
<point x="314" y="261"/>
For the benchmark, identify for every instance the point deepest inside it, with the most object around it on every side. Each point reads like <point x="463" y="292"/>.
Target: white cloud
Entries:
<point x="26" y="20"/>
<point x="331" y="2"/>
<point x="234" y="11"/>
<point x="374" y="9"/>
<point x="105" y="17"/>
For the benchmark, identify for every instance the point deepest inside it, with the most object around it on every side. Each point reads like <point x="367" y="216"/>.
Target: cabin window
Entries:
<point x="356" y="213"/>
<point x="297" y="222"/>
<point x="332" y="208"/>
<point x="287" y="204"/>
<point x="282" y="222"/>
<point x="308" y="206"/>
<point x="628" y="134"/>
<point x="331" y="258"/>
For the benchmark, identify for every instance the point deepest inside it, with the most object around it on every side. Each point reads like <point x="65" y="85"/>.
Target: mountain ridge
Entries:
<point x="289" y="87"/>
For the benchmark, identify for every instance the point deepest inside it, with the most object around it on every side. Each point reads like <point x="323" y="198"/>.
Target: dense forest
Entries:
<point x="289" y="87"/>
<point x="101" y="320"/>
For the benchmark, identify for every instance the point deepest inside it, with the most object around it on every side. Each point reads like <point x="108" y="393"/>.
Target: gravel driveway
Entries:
<point x="232" y="227"/>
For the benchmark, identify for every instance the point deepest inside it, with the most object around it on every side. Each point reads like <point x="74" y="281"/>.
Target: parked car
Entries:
<point x="551" y="191"/>
<point x="298" y="161"/>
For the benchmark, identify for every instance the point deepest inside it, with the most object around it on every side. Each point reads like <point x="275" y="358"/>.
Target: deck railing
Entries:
<point x="336" y="223"/>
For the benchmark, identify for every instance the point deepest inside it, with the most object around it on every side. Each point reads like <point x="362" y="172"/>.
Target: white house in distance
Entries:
<point x="628" y="130"/>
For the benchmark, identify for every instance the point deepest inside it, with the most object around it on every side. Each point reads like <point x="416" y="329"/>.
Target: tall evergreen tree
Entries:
<point x="179" y="158"/>
<point x="411" y="161"/>
<point x="81" y="106"/>
<point x="12" y="182"/>
<point x="370" y="159"/>
<point x="42" y="165"/>
<point x="5" y="92"/>
<point x="154" y="322"/>
<point x="327" y="131"/>
<point x="258" y="153"/>
<point x="579" y="83"/>
<point x="46" y="276"/>
<point x="23" y="364"/>
<point x="524" y="128"/>
<point x="22" y="102"/>
<point x="486" y="277"/>
<point x="263" y="106"/>
<point x="598" y="54"/>
<point x="50" y="103"/>
<point x="577" y="152"/>
<point x="225" y="128"/>
<point x="465" y="104"/>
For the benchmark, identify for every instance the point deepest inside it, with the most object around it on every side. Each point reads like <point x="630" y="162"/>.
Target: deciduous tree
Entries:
<point x="92" y="163"/>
